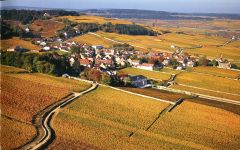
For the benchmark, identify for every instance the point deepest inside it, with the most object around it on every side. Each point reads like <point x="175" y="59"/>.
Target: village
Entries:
<point x="120" y="56"/>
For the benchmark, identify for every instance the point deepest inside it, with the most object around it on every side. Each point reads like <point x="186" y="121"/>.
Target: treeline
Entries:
<point x="124" y="46"/>
<point x="26" y="16"/>
<point x="49" y="63"/>
<point x="8" y="31"/>
<point x="129" y="29"/>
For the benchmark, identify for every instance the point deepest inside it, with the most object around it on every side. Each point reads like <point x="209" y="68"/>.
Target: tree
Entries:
<point x="174" y="63"/>
<point x="203" y="61"/>
<point x="75" y="49"/>
<point x="106" y="79"/>
<point x="76" y="68"/>
<point x="143" y="60"/>
<point x="214" y="62"/>
<point x="127" y="81"/>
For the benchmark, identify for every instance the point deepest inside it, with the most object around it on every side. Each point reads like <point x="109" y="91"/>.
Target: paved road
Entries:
<point x="43" y="119"/>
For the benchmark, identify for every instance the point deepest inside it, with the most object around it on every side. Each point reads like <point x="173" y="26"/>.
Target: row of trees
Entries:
<point x="53" y="64"/>
<point x="124" y="46"/>
<point x="43" y="63"/>
<point x="129" y="29"/>
<point x="26" y="16"/>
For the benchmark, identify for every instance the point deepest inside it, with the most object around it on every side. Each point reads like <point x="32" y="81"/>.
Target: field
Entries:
<point x="157" y="93"/>
<point x="13" y="42"/>
<point x="189" y="42"/>
<point x="15" y="132"/>
<point x="229" y="52"/>
<point x="209" y="82"/>
<point x="23" y="95"/>
<point x="200" y="127"/>
<point x="216" y="71"/>
<point x="46" y="28"/>
<point x="149" y="74"/>
<point x="102" y="121"/>
<point x="163" y="42"/>
<point x="207" y="92"/>
<point x="9" y="69"/>
<point x="92" y="40"/>
<point x="94" y="19"/>
<point x="101" y="118"/>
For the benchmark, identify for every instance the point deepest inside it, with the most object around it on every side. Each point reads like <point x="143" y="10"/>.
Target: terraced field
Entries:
<point x="149" y="74"/>
<point x="13" y="42"/>
<point x="23" y="95"/>
<point x="102" y="120"/>
<point x="94" y="19"/>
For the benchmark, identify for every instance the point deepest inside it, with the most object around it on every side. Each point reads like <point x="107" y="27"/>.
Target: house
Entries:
<point x="166" y="62"/>
<point x="106" y="63"/>
<point x="46" y="15"/>
<point x="139" y="81"/>
<point x="85" y="62"/>
<point x="145" y="66"/>
<point x="224" y="65"/>
<point x="66" y="76"/>
<point x="134" y="63"/>
<point x="191" y="63"/>
<point x="180" y="67"/>
<point x="71" y="60"/>
<point x="16" y="49"/>
<point x="108" y="51"/>
<point x="97" y="47"/>
<point x="46" y="48"/>
<point x="43" y="43"/>
<point x="173" y="46"/>
<point x="27" y="30"/>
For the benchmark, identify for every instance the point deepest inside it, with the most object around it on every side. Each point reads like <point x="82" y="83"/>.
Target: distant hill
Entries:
<point x="138" y="14"/>
<point x="150" y="14"/>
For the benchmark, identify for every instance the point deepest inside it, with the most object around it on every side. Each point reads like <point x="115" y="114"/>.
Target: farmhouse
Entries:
<point x="224" y="65"/>
<point x="145" y="66"/>
<point x="139" y="81"/>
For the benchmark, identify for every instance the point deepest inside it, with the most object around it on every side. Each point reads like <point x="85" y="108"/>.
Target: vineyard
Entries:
<point x="103" y="116"/>
<point x="92" y="40"/>
<point x="216" y="71"/>
<point x="103" y="121"/>
<point x="13" y="42"/>
<point x="94" y="19"/>
<point x="196" y="125"/>
<point x="47" y="28"/>
<point x="209" y="82"/>
<point x="23" y="95"/>
<point x="15" y="130"/>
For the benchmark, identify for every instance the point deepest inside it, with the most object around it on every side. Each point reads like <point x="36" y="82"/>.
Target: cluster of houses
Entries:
<point x="110" y="60"/>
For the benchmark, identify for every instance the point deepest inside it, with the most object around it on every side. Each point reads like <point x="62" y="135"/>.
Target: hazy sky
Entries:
<point x="212" y="6"/>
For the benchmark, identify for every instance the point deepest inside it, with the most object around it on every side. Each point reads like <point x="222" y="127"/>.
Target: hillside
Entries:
<point x="23" y="95"/>
<point x="101" y="121"/>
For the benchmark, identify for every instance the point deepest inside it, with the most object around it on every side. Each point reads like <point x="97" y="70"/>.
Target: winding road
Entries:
<point x="45" y="133"/>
